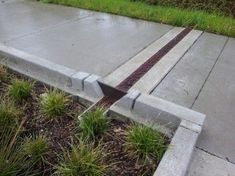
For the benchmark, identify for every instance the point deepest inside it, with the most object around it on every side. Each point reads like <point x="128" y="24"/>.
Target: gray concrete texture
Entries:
<point x="203" y="78"/>
<point x="204" y="81"/>
<point x="75" y="38"/>
<point x="205" y="164"/>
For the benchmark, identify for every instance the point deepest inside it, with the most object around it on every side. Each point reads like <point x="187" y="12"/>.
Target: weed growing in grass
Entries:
<point x="20" y="90"/>
<point x="93" y="123"/>
<point x="36" y="148"/>
<point x="54" y="103"/>
<point x="9" y="114"/>
<point x="83" y="160"/>
<point x="145" y="142"/>
<point x="3" y="73"/>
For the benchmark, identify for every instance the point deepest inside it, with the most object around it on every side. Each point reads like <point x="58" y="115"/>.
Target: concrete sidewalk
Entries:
<point x="99" y="43"/>
<point x="83" y="40"/>
<point x="204" y="80"/>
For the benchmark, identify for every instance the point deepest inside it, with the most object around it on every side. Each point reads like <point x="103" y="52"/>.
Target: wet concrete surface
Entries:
<point x="83" y="40"/>
<point x="99" y="43"/>
<point x="204" y="81"/>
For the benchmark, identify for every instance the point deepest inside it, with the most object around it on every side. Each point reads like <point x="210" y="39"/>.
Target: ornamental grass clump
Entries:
<point x="93" y="124"/>
<point x="9" y="114"/>
<point x="53" y="104"/>
<point x="36" y="148"/>
<point x="82" y="160"/>
<point x="3" y="74"/>
<point x="12" y="159"/>
<point x="145" y="143"/>
<point x="20" y="90"/>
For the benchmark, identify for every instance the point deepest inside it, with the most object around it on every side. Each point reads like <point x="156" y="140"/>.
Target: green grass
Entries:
<point x="225" y="7"/>
<point x="36" y="148"/>
<point x="12" y="160"/>
<point x="83" y="160"/>
<point x="145" y="142"/>
<point x="9" y="114"/>
<point x="53" y="103"/>
<point x="20" y="90"/>
<point x="93" y="124"/>
<point x="169" y="15"/>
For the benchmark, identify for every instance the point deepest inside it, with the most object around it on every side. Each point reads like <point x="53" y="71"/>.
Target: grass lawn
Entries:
<point x="169" y="15"/>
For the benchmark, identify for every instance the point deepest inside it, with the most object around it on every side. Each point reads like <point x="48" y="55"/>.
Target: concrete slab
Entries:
<point x="217" y="100"/>
<point x="153" y="77"/>
<point x="205" y="164"/>
<point x="184" y="82"/>
<point x="82" y="40"/>
<point x="21" y="18"/>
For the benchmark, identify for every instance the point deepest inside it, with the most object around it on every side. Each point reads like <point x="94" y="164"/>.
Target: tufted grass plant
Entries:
<point x="20" y="90"/>
<point x="93" y="124"/>
<point x="9" y="114"/>
<point x="53" y="103"/>
<point x="36" y="148"/>
<point x="145" y="142"/>
<point x="12" y="160"/>
<point x="3" y="74"/>
<point x="82" y="160"/>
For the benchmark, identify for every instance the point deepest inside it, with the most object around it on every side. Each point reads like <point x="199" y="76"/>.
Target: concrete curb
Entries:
<point x="183" y="124"/>
<point x="81" y="84"/>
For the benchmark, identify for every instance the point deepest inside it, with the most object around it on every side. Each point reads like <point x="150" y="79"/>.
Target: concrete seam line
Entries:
<point x="134" y="100"/>
<point x="191" y="126"/>
<point x="84" y="80"/>
<point x="209" y="73"/>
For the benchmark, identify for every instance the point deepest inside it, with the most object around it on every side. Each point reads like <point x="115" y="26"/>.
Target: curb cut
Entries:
<point x="182" y="124"/>
<point x="76" y="83"/>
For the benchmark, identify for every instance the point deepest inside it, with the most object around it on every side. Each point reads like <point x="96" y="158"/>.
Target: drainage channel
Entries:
<point x="112" y="94"/>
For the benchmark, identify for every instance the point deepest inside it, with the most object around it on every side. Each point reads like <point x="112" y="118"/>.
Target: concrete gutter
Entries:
<point x="81" y="84"/>
<point x="183" y="124"/>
